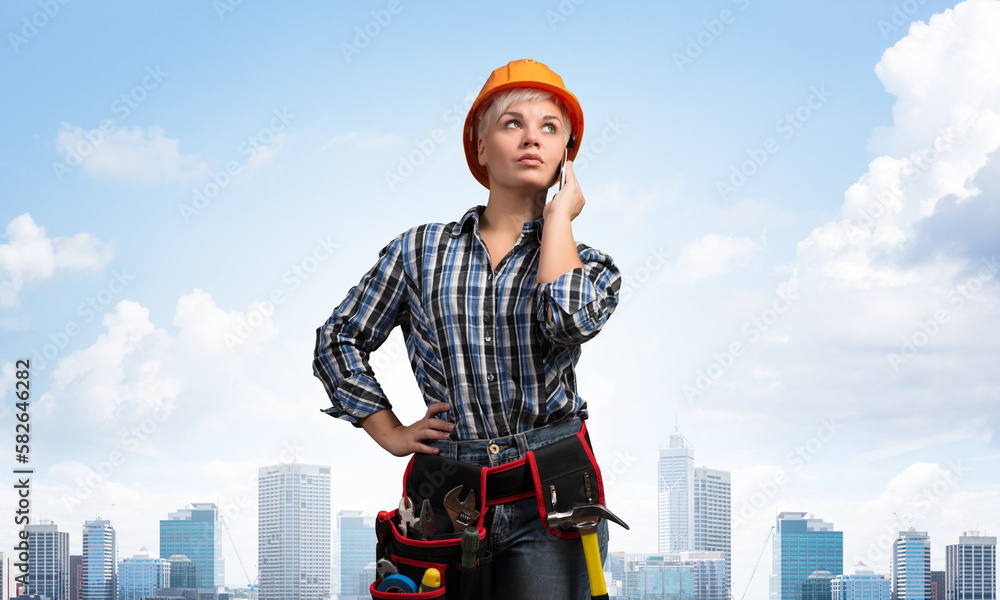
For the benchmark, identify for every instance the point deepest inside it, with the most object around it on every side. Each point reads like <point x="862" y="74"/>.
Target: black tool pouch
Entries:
<point x="565" y="475"/>
<point x="431" y="477"/>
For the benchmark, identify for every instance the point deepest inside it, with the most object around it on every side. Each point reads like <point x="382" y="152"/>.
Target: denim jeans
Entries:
<point x="529" y="562"/>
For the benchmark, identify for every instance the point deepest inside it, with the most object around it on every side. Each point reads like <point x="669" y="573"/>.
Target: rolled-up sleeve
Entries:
<point x="579" y="301"/>
<point x="357" y="328"/>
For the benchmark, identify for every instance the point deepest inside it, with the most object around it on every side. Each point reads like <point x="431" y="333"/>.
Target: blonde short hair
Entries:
<point x="507" y="98"/>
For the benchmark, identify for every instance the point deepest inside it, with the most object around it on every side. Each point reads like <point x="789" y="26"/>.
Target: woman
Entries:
<point x="494" y="308"/>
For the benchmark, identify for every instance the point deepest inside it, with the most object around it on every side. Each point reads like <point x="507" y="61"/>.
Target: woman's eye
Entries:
<point x="512" y="123"/>
<point x="550" y="127"/>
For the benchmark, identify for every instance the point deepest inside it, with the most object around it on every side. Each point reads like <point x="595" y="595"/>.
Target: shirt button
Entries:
<point x="489" y="338"/>
<point x="487" y="318"/>
<point x="489" y="277"/>
<point x="494" y="449"/>
<point x="490" y="377"/>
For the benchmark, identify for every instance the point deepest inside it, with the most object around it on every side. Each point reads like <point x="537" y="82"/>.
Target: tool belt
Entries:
<point x="458" y="496"/>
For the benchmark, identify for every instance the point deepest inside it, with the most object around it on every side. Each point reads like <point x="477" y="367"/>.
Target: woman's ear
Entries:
<point x="481" y="146"/>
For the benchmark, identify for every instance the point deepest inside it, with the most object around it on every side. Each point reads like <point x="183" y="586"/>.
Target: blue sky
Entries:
<point x="828" y="320"/>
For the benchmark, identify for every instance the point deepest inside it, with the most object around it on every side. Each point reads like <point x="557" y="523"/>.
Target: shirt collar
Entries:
<point x="470" y="221"/>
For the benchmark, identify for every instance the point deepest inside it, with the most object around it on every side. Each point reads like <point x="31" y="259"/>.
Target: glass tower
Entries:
<point x="197" y="534"/>
<point x="357" y="549"/>
<point x="911" y="566"/>
<point x="48" y="560"/>
<point x="100" y="560"/>
<point x="293" y="532"/>
<point x="801" y="547"/>
<point x="675" y="495"/>
<point x="860" y="584"/>
<point x="140" y="576"/>
<point x="713" y="515"/>
<point x="971" y="568"/>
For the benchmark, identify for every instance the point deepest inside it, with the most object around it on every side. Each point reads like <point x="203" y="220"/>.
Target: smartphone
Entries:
<point x="562" y="169"/>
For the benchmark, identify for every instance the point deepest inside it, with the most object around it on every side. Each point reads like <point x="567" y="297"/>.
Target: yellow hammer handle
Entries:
<point x="592" y="551"/>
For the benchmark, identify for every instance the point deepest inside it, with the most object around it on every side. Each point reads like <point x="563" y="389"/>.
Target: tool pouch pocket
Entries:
<point x="430" y="477"/>
<point x="565" y="475"/>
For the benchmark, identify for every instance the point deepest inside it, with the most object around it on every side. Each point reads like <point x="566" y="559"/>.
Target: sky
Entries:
<point x="801" y="198"/>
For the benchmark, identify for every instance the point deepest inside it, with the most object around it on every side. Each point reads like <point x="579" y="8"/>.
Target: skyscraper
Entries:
<point x="197" y="534"/>
<point x="860" y="583"/>
<point x="801" y="547"/>
<point x="937" y="585"/>
<point x="7" y="587"/>
<point x="140" y="576"/>
<point x="713" y="515"/>
<point x="293" y="531"/>
<point x="971" y="568"/>
<point x="357" y="549"/>
<point x="48" y="560"/>
<point x="911" y="566"/>
<point x="675" y="492"/>
<point x="100" y="560"/>
<point x="75" y="577"/>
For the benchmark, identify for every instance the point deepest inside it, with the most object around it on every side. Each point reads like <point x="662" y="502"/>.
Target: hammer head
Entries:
<point x="583" y="516"/>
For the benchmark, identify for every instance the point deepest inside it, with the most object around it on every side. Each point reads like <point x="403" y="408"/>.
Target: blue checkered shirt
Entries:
<point x="476" y="338"/>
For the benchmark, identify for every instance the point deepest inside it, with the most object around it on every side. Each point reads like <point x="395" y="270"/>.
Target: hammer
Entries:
<point x="584" y="518"/>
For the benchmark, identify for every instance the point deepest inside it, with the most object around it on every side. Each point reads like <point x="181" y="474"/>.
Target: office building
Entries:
<point x="293" y="531"/>
<point x="817" y="586"/>
<point x="801" y="547"/>
<point x="713" y="515"/>
<point x="197" y="534"/>
<point x="971" y="568"/>
<point x="100" y="560"/>
<point x="660" y="577"/>
<point x="357" y="549"/>
<point x="675" y="496"/>
<point x="76" y="576"/>
<point x="860" y="583"/>
<point x="911" y="566"/>
<point x="183" y="572"/>
<point x="7" y="588"/>
<point x="141" y="575"/>
<point x="709" y="573"/>
<point x="48" y="560"/>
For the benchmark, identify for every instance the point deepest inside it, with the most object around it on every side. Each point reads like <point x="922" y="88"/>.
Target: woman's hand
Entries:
<point x="569" y="200"/>
<point x="401" y="440"/>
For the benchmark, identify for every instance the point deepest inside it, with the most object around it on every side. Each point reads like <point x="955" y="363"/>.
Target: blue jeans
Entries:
<point x="529" y="563"/>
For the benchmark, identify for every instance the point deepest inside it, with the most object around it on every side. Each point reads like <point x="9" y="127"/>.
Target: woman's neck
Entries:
<point x="507" y="211"/>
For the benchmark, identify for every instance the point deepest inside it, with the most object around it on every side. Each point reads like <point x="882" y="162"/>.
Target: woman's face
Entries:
<point x="524" y="147"/>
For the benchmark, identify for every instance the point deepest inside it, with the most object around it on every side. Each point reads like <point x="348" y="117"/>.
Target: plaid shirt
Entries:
<point x="477" y="338"/>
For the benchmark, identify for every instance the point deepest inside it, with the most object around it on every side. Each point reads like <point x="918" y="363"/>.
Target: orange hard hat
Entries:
<point x="524" y="73"/>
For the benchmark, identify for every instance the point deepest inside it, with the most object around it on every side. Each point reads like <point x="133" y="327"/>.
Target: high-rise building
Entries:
<point x="197" y="534"/>
<point x="654" y="577"/>
<point x="183" y="572"/>
<point x="911" y="566"/>
<point x="801" y="547"/>
<point x="7" y="588"/>
<point x="713" y="516"/>
<point x="100" y="560"/>
<point x="48" y="561"/>
<point x="357" y="549"/>
<point x="675" y="496"/>
<point x="709" y="574"/>
<point x="937" y="585"/>
<point x="860" y="583"/>
<point x="141" y="575"/>
<point x="293" y="531"/>
<point x="76" y="577"/>
<point x="971" y="568"/>
<point x="817" y="586"/>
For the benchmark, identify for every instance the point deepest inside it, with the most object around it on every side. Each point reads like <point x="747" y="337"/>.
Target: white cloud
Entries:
<point x="714" y="254"/>
<point x="135" y="155"/>
<point x="205" y="325"/>
<point x="30" y="255"/>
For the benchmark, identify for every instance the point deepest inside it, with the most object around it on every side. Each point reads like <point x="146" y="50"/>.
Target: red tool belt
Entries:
<point x="559" y="475"/>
